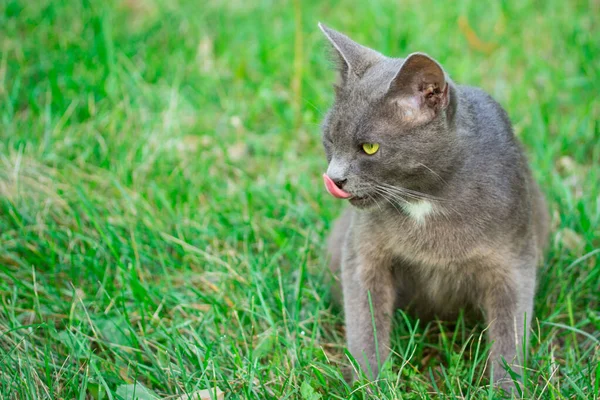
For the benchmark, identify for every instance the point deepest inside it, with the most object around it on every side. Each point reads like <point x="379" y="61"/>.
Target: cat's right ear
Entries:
<point x="420" y="89"/>
<point x="352" y="59"/>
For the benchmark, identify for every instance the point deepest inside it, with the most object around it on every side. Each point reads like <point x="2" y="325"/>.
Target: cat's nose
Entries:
<point x="339" y="182"/>
<point x="337" y="171"/>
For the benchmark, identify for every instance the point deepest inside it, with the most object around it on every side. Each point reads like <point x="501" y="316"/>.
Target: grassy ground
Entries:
<point x="162" y="217"/>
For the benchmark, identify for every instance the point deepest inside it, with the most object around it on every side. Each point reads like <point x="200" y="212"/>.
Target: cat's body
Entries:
<point x="446" y="216"/>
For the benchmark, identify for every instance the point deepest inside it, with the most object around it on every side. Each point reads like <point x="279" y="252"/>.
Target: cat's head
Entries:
<point x="390" y="126"/>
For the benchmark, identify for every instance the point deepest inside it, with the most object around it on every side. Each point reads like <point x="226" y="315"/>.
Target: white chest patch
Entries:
<point x="418" y="210"/>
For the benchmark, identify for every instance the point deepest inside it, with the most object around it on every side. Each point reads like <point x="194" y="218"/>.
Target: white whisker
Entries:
<point x="433" y="172"/>
<point x="386" y="198"/>
<point x="414" y="193"/>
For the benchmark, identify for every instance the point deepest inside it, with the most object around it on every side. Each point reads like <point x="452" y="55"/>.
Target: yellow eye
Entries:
<point x="370" y="148"/>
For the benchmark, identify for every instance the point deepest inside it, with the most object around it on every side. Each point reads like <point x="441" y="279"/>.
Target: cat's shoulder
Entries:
<point x="485" y="112"/>
<point x="478" y="97"/>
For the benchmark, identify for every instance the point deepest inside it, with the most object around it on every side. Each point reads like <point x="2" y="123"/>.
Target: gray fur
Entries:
<point x="454" y="147"/>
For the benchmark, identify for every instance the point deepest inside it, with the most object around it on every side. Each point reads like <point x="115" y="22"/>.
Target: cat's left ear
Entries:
<point x="420" y="88"/>
<point x="352" y="59"/>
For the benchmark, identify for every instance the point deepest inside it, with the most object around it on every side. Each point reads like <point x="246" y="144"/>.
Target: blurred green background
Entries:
<point x="162" y="216"/>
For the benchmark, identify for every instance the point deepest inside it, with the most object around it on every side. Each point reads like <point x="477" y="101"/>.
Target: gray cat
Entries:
<point x="446" y="215"/>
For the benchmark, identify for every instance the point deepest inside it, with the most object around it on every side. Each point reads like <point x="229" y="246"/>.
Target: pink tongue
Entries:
<point x="333" y="189"/>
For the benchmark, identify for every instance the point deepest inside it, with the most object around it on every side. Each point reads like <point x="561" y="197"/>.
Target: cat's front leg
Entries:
<point x="508" y="304"/>
<point x="368" y="285"/>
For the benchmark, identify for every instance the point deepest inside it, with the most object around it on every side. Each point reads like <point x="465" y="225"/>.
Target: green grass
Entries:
<point x="162" y="217"/>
